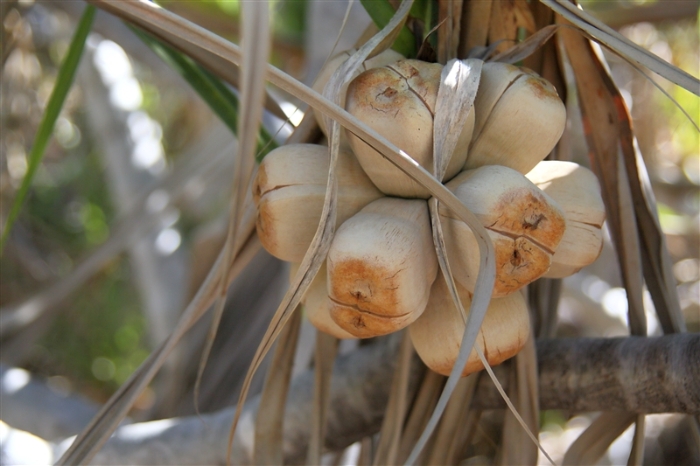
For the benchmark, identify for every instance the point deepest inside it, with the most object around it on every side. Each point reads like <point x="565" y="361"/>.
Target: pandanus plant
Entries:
<point x="381" y="273"/>
<point x="412" y="250"/>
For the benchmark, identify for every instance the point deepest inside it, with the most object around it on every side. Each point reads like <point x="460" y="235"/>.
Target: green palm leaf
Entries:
<point x="63" y="84"/>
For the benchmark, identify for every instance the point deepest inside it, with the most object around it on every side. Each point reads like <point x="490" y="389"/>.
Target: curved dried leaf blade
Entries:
<point x="623" y="46"/>
<point x="326" y="350"/>
<point x="477" y="311"/>
<point x="459" y="83"/>
<point x="270" y="419"/>
<point x="602" y="130"/>
<point x="457" y="409"/>
<point x="512" y="409"/>
<point x="637" y="454"/>
<point x="390" y="433"/>
<point x="419" y="412"/>
<point x="256" y="48"/>
<point x="527" y="47"/>
<point x="655" y="256"/>
<point x="517" y="446"/>
<point x="592" y="444"/>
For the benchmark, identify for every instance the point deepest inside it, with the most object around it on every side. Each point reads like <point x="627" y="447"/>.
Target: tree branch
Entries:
<point x="637" y="374"/>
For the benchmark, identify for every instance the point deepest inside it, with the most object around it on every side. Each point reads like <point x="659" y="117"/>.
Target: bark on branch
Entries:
<point x="635" y="374"/>
<point x="632" y="374"/>
<point x="643" y="375"/>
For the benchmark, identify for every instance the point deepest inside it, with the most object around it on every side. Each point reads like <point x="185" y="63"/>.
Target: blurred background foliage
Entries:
<point x="102" y="333"/>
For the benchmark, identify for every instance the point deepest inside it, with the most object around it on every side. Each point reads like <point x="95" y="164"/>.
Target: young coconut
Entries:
<point x="386" y="57"/>
<point x="519" y="118"/>
<point x="437" y="334"/>
<point x="289" y="191"/>
<point x="317" y="305"/>
<point x="398" y="101"/>
<point x="525" y="225"/>
<point x="577" y="192"/>
<point x="381" y="265"/>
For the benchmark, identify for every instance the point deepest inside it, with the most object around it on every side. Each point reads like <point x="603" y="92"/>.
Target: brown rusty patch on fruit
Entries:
<point x="519" y="261"/>
<point x="363" y="324"/>
<point x="265" y="227"/>
<point x="423" y="82"/>
<point x="541" y="88"/>
<point x="260" y="183"/>
<point x="525" y="212"/>
<point x="364" y="285"/>
<point x="390" y="92"/>
<point x="376" y="90"/>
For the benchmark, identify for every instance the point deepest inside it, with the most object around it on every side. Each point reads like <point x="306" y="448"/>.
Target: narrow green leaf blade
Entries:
<point x="64" y="80"/>
<point x="220" y="98"/>
<point x="381" y="13"/>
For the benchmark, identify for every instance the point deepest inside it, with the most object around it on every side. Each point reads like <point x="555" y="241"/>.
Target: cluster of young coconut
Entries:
<point x="381" y="274"/>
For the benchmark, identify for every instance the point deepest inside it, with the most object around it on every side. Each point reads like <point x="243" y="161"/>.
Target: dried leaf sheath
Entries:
<point x="326" y="349"/>
<point x="269" y="422"/>
<point x="623" y="46"/>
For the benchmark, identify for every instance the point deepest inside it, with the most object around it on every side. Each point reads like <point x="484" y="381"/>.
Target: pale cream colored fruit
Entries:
<point x="317" y="305"/>
<point x="289" y="191"/>
<point x="577" y="192"/>
<point x="437" y="334"/>
<point x="381" y="266"/>
<point x="524" y="224"/>
<point x="398" y="101"/>
<point x="386" y="57"/>
<point x="519" y="118"/>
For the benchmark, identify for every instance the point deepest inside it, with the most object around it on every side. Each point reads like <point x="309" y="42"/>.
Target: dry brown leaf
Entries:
<point x="637" y="454"/>
<point x="503" y="28"/>
<point x="543" y="298"/>
<point x="256" y="48"/>
<point x="450" y="423"/>
<point x="655" y="256"/>
<point x="506" y="18"/>
<point x="464" y="436"/>
<point x="516" y="446"/>
<point x="545" y="61"/>
<point x="270" y="419"/>
<point x="326" y="350"/>
<point x="602" y="130"/>
<point x="592" y="444"/>
<point x="527" y="47"/>
<point x="448" y="34"/>
<point x="474" y="29"/>
<point x="419" y="412"/>
<point x="390" y="434"/>
<point x="636" y="55"/>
